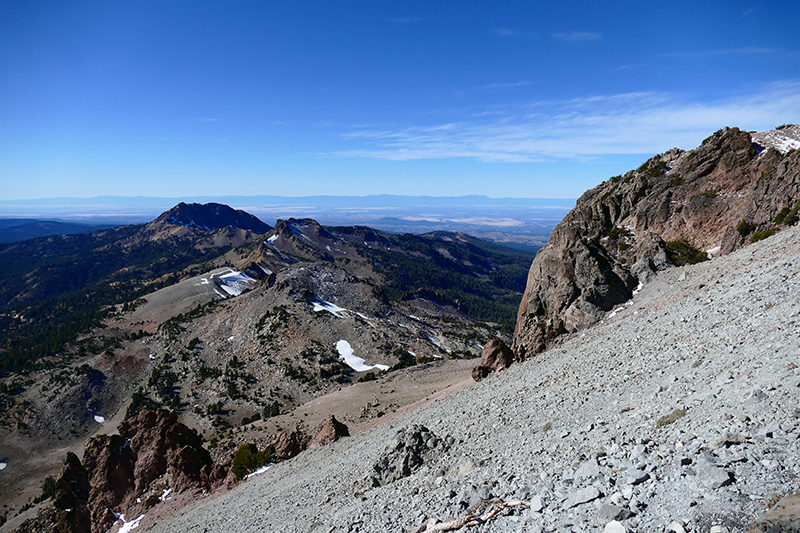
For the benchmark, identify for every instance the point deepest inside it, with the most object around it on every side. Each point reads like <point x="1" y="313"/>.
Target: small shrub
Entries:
<point x="678" y="180"/>
<point x="247" y="458"/>
<point x="617" y="232"/>
<point x="670" y="418"/>
<point x="760" y="235"/>
<point x="547" y="427"/>
<point x="48" y="489"/>
<point x="678" y="209"/>
<point x="608" y="193"/>
<point x="745" y="228"/>
<point x="682" y="252"/>
<point x="706" y="194"/>
<point x="781" y="216"/>
<point x="623" y="246"/>
<point x="369" y="376"/>
<point x="615" y="179"/>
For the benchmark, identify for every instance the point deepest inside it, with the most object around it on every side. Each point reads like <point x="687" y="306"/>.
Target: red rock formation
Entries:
<point x="496" y="356"/>
<point x="122" y="471"/>
<point x="329" y="431"/>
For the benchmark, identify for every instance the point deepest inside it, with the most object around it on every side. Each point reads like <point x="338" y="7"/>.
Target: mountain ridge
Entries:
<point x="712" y="200"/>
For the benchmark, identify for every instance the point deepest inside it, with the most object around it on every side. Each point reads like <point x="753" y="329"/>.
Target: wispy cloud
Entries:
<point x="580" y="128"/>
<point x="577" y="36"/>
<point x="503" y="85"/>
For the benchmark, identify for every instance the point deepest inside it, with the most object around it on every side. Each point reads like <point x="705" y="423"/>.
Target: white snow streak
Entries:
<point x="353" y="361"/>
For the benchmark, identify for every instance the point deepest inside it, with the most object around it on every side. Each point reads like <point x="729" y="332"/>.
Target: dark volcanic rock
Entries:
<point x="496" y="356"/>
<point x="716" y="197"/>
<point x="211" y="216"/>
<point x="406" y="454"/>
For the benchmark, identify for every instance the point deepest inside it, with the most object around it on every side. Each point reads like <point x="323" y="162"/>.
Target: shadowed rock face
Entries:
<point x="616" y="235"/>
<point x="211" y="216"/>
<point x="119" y="472"/>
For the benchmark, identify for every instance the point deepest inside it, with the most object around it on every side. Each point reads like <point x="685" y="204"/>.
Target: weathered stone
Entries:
<point x="714" y="477"/>
<point x="582" y="496"/>
<point x="614" y="527"/>
<point x="496" y="356"/>
<point x="635" y="476"/>
<point x="615" y="236"/>
<point x="588" y="469"/>
<point x="783" y="517"/>
<point x="330" y="430"/>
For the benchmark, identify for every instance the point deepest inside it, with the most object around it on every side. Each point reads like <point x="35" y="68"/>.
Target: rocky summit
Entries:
<point x="677" y="411"/>
<point x="677" y="207"/>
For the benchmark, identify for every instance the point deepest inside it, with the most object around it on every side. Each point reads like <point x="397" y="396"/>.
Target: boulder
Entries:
<point x="329" y="431"/>
<point x="496" y="356"/>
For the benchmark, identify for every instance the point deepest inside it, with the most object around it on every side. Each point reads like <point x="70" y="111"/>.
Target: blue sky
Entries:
<point x="506" y="99"/>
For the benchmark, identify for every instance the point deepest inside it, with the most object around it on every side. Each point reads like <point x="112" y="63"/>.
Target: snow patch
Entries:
<point x="99" y="419"/>
<point x="234" y="282"/>
<point x="3" y="466"/>
<point x="259" y="470"/>
<point x="322" y="305"/>
<point x="353" y="361"/>
<point x="272" y="239"/>
<point x="128" y="526"/>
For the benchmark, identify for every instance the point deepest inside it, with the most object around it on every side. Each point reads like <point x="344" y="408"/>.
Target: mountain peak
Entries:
<point x="211" y="216"/>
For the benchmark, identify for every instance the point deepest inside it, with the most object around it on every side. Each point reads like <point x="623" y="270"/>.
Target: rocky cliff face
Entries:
<point x="129" y="472"/>
<point x="732" y="190"/>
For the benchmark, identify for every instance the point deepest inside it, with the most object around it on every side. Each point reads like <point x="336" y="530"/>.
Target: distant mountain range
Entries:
<point x="521" y="222"/>
<point x="20" y="229"/>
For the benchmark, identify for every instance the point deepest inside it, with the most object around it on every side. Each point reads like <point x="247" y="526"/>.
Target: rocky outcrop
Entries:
<point x="785" y="516"/>
<point x="406" y="454"/>
<point x="712" y="200"/>
<point x="330" y="430"/>
<point x="496" y="356"/>
<point x="127" y="472"/>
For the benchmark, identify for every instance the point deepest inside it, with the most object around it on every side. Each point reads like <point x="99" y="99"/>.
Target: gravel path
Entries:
<point x="677" y="413"/>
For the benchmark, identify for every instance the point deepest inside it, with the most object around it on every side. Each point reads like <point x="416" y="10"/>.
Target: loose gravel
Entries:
<point x="678" y="413"/>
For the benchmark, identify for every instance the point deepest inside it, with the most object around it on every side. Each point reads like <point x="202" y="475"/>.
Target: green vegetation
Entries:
<point x="484" y="283"/>
<point x="247" y="458"/>
<point x="682" y="252"/>
<point x="706" y="194"/>
<point x="139" y="402"/>
<point x="760" y="235"/>
<point x="653" y="167"/>
<point x="745" y="228"/>
<point x="617" y="232"/>
<point x="787" y="215"/>
<point x="670" y="418"/>
<point x="615" y="179"/>
<point x="53" y="288"/>
<point x="48" y="490"/>
<point x="677" y="180"/>
<point x="608" y="193"/>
